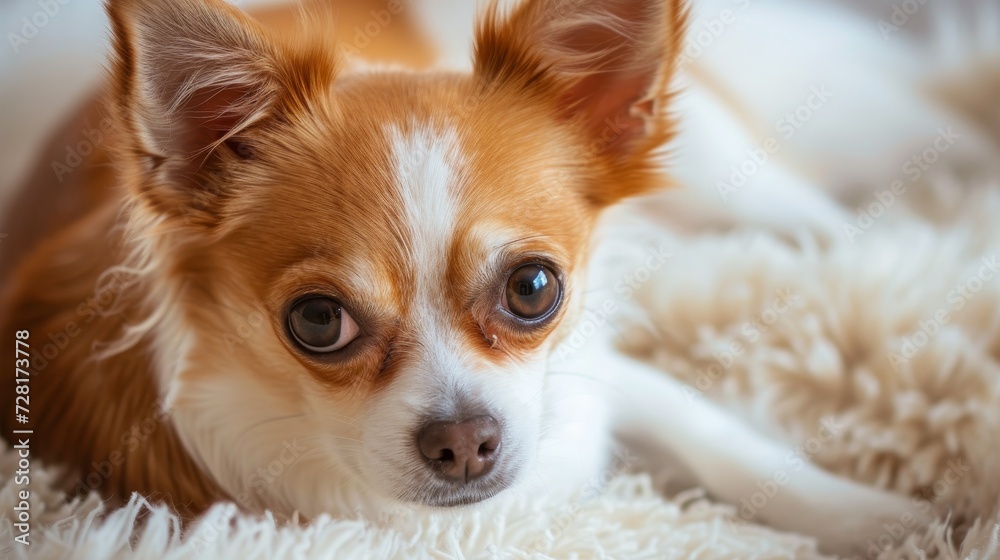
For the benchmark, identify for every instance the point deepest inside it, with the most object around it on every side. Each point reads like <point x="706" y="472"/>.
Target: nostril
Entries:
<point x="460" y="451"/>
<point x="486" y="449"/>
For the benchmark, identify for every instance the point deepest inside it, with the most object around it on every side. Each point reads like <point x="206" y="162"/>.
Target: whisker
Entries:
<point x="265" y="422"/>
<point x="332" y="415"/>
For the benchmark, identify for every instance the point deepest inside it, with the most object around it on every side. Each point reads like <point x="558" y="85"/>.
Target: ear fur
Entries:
<point x="606" y="65"/>
<point x="190" y="75"/>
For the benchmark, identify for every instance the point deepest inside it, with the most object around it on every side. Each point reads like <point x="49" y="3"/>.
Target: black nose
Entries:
<point x="461" y="451"/>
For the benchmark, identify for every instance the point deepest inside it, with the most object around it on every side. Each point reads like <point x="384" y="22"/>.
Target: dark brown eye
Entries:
<point x="532" y="292"/>
<point x="320" y="324"/>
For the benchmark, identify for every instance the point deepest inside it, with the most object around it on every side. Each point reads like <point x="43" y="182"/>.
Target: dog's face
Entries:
<point x="414" y="275"/>
<point x="374" y="266"/>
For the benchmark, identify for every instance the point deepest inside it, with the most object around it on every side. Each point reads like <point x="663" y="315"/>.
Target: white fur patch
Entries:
<point x="441" y="378"/>
<point x="426" y="163"/>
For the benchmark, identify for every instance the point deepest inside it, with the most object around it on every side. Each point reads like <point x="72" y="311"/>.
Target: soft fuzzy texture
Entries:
<point x="828" y="355"/>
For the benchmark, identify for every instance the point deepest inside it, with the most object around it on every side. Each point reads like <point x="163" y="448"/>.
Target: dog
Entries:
<point x="366" y="271"/>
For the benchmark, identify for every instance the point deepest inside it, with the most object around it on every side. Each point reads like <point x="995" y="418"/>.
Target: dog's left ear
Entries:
<point x="606" y="64"/>
<point x="191" y="75"/>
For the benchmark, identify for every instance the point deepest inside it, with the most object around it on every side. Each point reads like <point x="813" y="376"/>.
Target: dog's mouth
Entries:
<point x="440" y="495"/>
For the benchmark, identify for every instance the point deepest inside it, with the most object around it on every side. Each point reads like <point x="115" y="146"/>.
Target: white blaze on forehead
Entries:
<point x="442" y="378"/>
<point x="426" y="169"/>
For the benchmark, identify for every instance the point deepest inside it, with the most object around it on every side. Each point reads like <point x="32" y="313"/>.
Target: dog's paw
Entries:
<point x="858" y="521"/>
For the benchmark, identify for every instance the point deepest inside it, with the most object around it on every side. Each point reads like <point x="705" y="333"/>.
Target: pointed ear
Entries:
<point x="189" y="76"/>
<point x="605" y="63"/>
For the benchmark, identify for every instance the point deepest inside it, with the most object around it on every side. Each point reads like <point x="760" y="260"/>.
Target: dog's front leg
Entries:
<point x="734" y="462"/>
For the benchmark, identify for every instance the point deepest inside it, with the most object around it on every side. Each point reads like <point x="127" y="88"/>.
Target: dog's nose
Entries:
<point x="461" y="451"/>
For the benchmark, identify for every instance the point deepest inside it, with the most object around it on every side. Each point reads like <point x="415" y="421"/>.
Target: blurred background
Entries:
<point x="898" y="70"/>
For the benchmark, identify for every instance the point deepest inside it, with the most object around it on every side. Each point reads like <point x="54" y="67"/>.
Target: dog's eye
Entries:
<point x="532" y="292"/>
<point x="320" y="324"/>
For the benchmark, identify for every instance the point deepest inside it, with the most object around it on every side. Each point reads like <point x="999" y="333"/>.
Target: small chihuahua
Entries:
<point x="287" y="252"/>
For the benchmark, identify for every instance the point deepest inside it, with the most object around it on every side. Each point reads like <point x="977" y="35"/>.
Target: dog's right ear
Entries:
<point x="606" y="65"/>
<point x="189" y="77"/>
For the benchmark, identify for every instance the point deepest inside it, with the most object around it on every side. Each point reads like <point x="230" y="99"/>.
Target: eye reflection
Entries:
<point x="532" y="292"/>
<point x="321" y="324"/>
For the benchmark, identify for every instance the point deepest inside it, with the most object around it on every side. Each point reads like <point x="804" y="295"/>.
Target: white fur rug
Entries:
<point x="902" y="423"/>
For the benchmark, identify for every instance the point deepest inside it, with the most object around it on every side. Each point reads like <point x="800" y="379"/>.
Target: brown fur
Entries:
<point x="91" y="414"/>
<point x="228" y="237"/>
<point x="94" y="416"/>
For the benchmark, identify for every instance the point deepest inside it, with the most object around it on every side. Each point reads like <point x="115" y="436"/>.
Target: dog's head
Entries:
<point x="364" y="272"/>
